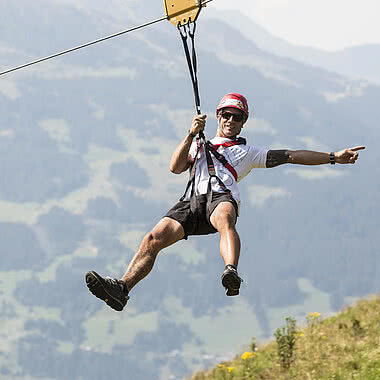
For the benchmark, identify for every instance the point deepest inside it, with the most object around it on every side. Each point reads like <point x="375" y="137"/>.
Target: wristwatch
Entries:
<point x="332" y="158"/>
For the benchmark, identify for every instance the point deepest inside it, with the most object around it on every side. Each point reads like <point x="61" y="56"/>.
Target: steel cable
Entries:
<point x="202" y="4"/>
<point x="82" y="46"/>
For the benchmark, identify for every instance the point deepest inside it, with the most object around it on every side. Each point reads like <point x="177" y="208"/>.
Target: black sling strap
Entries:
<point x="185" y="32"/>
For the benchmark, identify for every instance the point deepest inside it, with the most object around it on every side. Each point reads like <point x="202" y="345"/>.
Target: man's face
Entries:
<point x="231" y="122"/>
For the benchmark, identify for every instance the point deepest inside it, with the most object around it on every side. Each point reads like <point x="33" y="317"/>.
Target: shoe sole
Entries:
<point x="96" y="286"/>
<point x="232" y="284"/>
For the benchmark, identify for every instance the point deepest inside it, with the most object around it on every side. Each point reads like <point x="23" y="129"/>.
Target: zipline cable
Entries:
<point x="202" y="4"/>
<point x="82" y="46"/>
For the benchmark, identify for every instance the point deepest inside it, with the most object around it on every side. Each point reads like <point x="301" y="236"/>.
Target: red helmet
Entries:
<point x="235" y="101"/>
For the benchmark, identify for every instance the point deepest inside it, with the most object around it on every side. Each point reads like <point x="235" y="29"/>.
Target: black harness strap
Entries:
<point x="191" y="182"/>
<point x="185" y="31"/>
<point x="212" y="174"/>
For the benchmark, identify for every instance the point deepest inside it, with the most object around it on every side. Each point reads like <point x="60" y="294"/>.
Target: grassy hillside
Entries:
<point x="345" y="346"/>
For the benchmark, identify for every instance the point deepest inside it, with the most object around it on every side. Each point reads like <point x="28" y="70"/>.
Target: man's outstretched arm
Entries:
<point x="309" y="157"/>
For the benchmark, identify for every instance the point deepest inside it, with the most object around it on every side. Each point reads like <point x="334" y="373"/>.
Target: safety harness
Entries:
<point x="210" y="149"/>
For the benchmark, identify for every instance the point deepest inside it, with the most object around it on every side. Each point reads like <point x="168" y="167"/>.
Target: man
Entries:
<point x="208" y="206"/>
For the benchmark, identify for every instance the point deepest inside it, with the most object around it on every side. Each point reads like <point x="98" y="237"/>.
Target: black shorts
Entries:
<point x="197" y="223"/>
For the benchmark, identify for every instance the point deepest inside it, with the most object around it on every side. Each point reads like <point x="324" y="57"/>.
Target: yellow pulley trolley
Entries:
<point x="181" y="12"/>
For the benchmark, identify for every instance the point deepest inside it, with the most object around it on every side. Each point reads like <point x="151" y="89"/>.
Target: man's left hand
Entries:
<point x="348" y="156"/>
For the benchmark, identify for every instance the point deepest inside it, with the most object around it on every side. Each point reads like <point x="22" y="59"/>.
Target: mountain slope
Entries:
<point x="358" y="62"/>
<point x="340" y="347"/>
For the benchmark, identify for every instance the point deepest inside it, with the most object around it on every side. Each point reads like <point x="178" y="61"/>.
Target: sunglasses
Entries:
<point x="235" y="116"/>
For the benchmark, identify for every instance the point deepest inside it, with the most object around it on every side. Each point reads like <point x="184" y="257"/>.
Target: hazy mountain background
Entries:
<point x="85" y="142"/>
<point x="359" y="62"/>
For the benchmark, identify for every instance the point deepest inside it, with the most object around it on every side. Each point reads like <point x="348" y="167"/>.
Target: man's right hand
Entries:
<point x="198" y="124"/>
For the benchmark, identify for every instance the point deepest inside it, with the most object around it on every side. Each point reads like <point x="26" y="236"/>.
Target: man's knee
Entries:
<point x="224" y="216"/>
<point x="165" y="233"/>
<point x="226" y="221"/>
<point x="154" y="240"/>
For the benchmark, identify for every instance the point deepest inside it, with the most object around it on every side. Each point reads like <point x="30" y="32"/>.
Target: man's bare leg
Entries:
<point x="167" y="232"/>
<point x="114" y="292"/>
<point x="224" y="219"/>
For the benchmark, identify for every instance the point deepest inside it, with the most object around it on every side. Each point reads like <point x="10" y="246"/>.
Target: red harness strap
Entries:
<point x="221" y="158"/>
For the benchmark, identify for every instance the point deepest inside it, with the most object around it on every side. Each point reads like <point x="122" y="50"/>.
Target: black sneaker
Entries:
<point x="110" y="290"/>
<point x="231" y="281"/>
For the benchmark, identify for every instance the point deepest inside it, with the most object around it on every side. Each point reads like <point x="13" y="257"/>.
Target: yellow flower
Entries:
<point x="230" y="369"/>
<point x="220" y="365"/>
<point x="247" y="355"/>
<point x="314" y="315"/>
<point x="300" y="334"/>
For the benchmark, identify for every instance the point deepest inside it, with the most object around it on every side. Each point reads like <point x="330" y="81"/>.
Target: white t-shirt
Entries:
<point x="243" y="158"/>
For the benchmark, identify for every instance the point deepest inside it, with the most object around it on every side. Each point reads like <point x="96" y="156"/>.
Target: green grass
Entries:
<point x="345" y="346"/>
